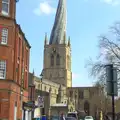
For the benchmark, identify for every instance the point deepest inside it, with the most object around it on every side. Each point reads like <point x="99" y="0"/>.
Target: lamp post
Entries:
<point x="112" y="90"/>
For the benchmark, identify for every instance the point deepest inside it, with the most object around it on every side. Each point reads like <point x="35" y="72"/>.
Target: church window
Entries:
<point x="86" y="94"/>
<point x="58" y="59"/>
<point x="52" y="60"/>
<point x="5" y="7"/>
<point x="81" y="96"/>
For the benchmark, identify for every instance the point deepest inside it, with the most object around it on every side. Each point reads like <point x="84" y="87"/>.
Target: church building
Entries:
<point x="55" y="84"/>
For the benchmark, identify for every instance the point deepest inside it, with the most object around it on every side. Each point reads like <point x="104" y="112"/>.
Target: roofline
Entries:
<point x="23" y="35"/>
<point x="83" y="87"/>
<point x="9" y="18"/>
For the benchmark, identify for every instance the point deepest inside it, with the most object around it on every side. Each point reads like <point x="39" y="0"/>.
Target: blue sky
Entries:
<point x="86" y="20"/>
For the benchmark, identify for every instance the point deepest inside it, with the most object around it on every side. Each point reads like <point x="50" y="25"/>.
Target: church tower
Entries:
<point x="57" y="53"/>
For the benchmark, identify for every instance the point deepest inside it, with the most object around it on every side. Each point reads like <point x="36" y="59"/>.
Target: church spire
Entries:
<point x="46" y="39"/>
<point x="59" y="27"/>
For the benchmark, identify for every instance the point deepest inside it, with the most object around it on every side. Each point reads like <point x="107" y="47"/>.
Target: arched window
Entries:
<point x="81" y="95"/>
<point x="52" y="60"/>
<point x="86" y="107"/>
<point x="58" y="59"/>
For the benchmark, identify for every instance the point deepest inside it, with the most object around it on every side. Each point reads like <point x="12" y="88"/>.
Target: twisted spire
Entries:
<point x="59" y="27"/>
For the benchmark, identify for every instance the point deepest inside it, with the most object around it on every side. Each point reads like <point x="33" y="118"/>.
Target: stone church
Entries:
<point x="55" y="83"/>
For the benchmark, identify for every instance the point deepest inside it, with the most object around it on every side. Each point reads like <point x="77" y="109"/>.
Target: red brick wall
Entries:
<point x="9" y="53"/>
<point x="21" y="56"/>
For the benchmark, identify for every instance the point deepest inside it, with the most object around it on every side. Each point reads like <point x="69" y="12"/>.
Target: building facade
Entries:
<point x="52" y="92"/>
<point x="88" y="99"/>
<point x="14" y="63"/>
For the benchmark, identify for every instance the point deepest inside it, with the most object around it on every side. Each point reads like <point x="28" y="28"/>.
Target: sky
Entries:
<point x="86" y="20"/>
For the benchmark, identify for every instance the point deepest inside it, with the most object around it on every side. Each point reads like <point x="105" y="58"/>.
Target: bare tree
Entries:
<point x="109" y="46"/>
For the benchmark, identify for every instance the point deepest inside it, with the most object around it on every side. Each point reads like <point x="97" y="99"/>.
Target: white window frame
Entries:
<point x="8" y="4"/>
<point x="4" y="68"/>
<point x="4" y="35"/>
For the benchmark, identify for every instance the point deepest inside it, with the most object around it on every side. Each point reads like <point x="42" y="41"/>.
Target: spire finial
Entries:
<point x="33" y="72"/>
<point x="69" y="42"/>
<point x="59" y="26"/>
<point x="46" y="39"/>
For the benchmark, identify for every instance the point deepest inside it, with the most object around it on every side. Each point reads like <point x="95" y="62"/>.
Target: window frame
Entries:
<point x="86" y="94"/>
<point x="4" y="70"/>
<point x="19" y="47"/>
<point x="52" y="60"/>
<point x="8" y="5"/>
<point x="27" y="52"/>
<point x="81" y="95"/>
<point x="3" y="30"/>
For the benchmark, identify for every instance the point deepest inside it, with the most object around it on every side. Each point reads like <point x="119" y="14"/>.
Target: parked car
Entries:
<point x="72" y="114"/>
<point x="70" y="118"/>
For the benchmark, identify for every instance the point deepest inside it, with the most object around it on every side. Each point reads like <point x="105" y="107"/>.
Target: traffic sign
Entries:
<point x="40" y="101"/>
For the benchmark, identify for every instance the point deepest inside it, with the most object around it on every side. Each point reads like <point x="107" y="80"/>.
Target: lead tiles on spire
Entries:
<point x="59" y="28"/>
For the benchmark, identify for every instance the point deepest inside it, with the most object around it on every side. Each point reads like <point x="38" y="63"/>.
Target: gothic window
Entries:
<point x="86" y="107"/>
<point x="81" y="95"/>
<point x="52" y="60"/>
<point x="86" y="94"/>
<point x="58" y="59"/>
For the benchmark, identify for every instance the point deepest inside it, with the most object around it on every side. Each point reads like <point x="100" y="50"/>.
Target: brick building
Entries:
<point x="14" y="63"/>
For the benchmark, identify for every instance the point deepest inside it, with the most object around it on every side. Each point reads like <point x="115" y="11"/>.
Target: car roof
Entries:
<point x="72" y="112"/>
<point x="71" y="117"/>
<point x="88" y="116"/>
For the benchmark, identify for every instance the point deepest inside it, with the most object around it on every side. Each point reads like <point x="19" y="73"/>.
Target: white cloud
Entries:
<point x="44" y="8"/>
<point x="75" y="75"/>
<point x="112" y="2"/>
